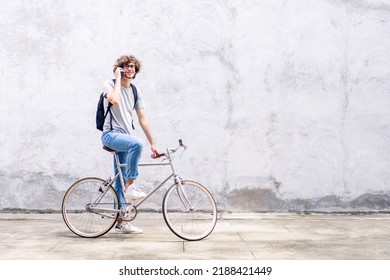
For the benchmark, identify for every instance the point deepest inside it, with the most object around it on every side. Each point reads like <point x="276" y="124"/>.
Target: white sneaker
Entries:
<point x="132" y="193"/>
<point x="128" y="228"/>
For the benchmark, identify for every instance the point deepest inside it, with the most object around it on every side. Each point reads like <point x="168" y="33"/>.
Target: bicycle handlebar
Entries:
<point x="181" y="145"/>
<point x="157" y="156"/>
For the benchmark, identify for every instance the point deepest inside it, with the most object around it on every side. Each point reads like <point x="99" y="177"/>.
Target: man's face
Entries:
<point x="129" y="70"/>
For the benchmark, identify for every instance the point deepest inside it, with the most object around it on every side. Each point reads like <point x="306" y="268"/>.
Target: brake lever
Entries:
<point x="182" y="145"/>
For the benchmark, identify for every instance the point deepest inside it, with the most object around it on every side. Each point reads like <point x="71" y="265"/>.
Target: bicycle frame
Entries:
<point x="177" y="180"/>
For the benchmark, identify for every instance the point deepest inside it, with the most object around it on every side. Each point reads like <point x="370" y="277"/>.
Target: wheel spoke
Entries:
<point x="194" y="224"/>
<point x="84" y="222"/>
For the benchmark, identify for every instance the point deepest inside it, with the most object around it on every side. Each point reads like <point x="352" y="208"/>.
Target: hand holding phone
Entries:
<point x="119" y="72"/>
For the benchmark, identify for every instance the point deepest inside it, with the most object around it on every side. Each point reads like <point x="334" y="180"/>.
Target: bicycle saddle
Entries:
<point x="108" y="149"/>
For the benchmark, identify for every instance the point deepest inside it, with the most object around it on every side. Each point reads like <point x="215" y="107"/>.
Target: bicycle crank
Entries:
<point x="129" y="214"/>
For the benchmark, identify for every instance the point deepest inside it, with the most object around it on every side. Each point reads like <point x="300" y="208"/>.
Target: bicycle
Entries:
<point x="90" y="206"/>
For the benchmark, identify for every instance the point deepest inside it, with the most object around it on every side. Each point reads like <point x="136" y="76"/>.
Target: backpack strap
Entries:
<point x="135" y="94"/>
<point x="108" y="109"/>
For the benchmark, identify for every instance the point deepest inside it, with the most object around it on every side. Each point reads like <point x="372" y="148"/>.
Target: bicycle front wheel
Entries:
<point x="190" y="210"/>
<point x="89" y="207"/>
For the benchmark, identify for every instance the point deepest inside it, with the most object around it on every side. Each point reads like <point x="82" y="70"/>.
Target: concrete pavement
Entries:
<point x="236" y="237"/>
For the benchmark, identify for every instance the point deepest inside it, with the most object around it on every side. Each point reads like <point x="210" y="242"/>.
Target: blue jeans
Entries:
<point x="129" y="150"/>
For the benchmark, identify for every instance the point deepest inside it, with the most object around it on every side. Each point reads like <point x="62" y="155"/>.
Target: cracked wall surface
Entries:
<point x="284" y="104"/>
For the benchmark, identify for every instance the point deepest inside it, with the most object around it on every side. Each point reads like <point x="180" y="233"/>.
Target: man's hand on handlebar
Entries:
<point x="157" y="155"/>
<point x="155" y="152"/>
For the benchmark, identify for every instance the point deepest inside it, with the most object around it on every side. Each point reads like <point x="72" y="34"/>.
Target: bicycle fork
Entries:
<point x="182" y="194"/>
<point x="179" y="181"/>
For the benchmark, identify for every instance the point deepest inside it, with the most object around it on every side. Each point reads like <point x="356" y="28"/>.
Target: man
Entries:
<point x="118" y="128"/>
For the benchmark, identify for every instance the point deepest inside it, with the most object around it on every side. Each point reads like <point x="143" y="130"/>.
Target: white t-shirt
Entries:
<point x="122" y="113"/>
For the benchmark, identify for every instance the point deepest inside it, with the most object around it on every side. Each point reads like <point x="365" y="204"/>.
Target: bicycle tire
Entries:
<point x="195" y="224"/>
<point x="83" y="222"/>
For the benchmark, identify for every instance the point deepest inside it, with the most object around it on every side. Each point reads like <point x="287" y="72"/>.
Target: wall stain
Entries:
<point x="266" y="200"/>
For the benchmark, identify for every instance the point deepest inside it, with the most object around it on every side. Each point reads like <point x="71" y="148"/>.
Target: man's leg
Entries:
<point x="133" y="156"/>
<point x="118" y="186"/>
<point x="130" y="145"/>
<point x="129" y="150"/>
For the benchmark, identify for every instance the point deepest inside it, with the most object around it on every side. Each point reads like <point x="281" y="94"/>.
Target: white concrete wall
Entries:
<point x="284" y="104"/>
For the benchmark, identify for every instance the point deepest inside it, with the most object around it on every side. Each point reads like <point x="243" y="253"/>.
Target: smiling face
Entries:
<point x="129" y="70"/>
<point x="130" y="65"/>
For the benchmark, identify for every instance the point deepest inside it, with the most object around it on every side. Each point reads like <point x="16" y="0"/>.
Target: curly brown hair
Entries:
<point x="126" y="59"/>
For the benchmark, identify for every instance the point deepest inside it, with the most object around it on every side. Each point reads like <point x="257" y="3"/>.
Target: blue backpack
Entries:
<point x="101" y="114"/>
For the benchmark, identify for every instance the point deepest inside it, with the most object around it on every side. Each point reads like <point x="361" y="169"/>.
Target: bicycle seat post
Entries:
<point x="117" y="163"/>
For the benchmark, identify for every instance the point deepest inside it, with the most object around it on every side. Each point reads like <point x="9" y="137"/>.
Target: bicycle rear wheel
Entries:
<point x="89" y="207"/>
<point x="190" y="211"/>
